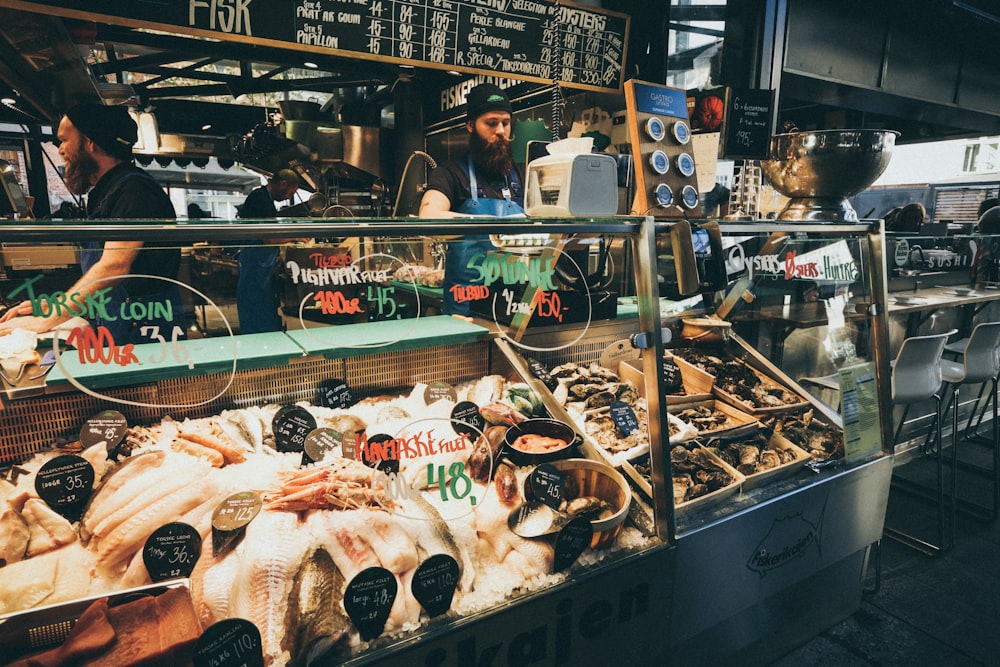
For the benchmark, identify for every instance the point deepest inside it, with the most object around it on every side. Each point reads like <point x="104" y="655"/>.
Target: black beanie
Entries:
<point x="111" y="128"/>
<point x="486" y="97"/>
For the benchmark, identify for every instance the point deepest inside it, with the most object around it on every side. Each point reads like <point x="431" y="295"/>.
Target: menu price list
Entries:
<point x="517" y="37"/>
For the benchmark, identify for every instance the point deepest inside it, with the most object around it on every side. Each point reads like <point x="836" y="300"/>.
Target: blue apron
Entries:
<point x="256" y="301"/>
<point x="463" y="250"/>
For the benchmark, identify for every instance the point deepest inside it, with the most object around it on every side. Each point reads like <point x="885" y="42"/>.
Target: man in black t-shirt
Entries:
<point x="484" y="182"/>
<point x="96" y="145"/>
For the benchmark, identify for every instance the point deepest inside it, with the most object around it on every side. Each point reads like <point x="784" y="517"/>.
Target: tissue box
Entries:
<point x="584" y="185"/>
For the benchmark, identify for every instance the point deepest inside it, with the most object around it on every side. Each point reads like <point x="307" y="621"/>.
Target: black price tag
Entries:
<point x="546" y="485"/>
<point x="624" y="417"/>
<point x="379" y="452"/>
<point x="234" y="642"/>
<point x="320" y="442"/>
<point x="368" y="599"/>
<point x="572" y="541"/>
<point x="466" y="420"/>
<point x="109" y="427"/>
<point x="434" y="583"/>
<point x="672" y="379"/>
<point x="291" y="425"/>
<point x="437" y="390"/>
<point x="230" y="519"/>
<point x="171" y="551"/>
<point x="335" y="393"/>
<point x="65" y="484"/>
<point x="539" y="370"/>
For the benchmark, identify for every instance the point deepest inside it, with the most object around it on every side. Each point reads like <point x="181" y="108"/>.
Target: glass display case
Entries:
<point x="781" y="381"/>
<point x="373" y="481"/>
<point x="369" y="418"/>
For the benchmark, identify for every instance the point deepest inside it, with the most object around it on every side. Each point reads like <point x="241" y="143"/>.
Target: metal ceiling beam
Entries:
<point x="698" y="12"/>
<point x="237" y="88"/>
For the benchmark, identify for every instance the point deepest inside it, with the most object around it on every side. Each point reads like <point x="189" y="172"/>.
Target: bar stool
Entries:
<point x="980" y="365"/>
<point x="917" y="377"/>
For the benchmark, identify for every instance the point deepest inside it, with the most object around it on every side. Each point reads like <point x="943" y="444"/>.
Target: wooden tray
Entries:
<point x="697" y="383"/>
<point x="738" y="420"/>
<point x="715" y="497"/>
<point x="783" y="471"/>
<point x="761" y="410"/>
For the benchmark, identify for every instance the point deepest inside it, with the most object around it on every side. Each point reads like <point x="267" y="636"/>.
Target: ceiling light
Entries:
<point x="206" y="127"/>
<point x="9" y="101"/>
<point x="310" y="65"/>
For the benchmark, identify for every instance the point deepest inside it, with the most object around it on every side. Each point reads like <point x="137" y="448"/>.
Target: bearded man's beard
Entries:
<point x="79" y="172"/>
<point x="492" y="158"/>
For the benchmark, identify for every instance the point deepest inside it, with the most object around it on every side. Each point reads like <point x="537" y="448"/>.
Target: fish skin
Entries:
<point x="269" y="556"/>
<point x="14" y="536"/>
<point x="49" y="530"/>
<point x="314" y="609"/>
<point x="243" y="428"/>
<point x="433" y="536"/>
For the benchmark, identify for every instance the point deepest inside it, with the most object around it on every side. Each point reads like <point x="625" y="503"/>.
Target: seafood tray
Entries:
<point x="819" y="440"/>
<point x="697" y="383"/>
<point x="690" y="464"/>
<point x="762" y="459"/>
<point x="714" y="418"/>
<point x="738" y="383"/>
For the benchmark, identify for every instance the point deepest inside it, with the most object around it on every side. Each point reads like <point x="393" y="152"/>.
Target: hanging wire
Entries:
<point x="557" y="98"/>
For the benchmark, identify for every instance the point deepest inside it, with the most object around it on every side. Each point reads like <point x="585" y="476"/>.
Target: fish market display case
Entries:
<point x="364" y="486"/>
<point x="782" y="355"/>
<point x="377" y="485"/>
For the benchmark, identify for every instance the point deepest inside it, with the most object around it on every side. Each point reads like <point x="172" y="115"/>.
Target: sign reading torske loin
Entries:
<point x="582" y="47"/>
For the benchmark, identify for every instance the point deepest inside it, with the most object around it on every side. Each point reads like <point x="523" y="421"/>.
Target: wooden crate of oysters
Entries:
<point x="820" y="440"/>
<point x="740" y="384"/>
<point x="700" y="478"/>
<point x="683" y="382"/>
<point x="762" y="457"/>
<point x="587" y="391"/>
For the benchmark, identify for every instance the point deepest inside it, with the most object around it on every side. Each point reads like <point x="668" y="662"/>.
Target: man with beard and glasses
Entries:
<point x="96" y="145"/>
<point x="483" y="182"/>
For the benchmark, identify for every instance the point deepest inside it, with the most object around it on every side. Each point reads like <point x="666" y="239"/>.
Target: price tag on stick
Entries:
<point x="546" y="485"/>
<point x="109" y="427"/>
<point x="572" y="541"/>
<point x="434" y="583"/>
<point x="291" y="425"/>
<point x="335" y="393"/>
<point x="172" y="551"/>
<point x="230" y="519"/>
<point x="234" y="642"/>
<point x="65" y="483"/>
<point x="624" y="417"/>
<point x="368" y="599"/>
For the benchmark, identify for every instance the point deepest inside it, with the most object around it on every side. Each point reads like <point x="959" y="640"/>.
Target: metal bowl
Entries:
<point x="549" y="428"/>
<point x="820" y="170"/>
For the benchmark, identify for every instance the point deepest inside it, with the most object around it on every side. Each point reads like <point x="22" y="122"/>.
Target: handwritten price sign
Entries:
<point x="746" y="128"/>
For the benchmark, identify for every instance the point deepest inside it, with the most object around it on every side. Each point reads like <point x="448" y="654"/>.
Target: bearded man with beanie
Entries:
<point x="95" y="142"/>
<point x="483" y="182"/>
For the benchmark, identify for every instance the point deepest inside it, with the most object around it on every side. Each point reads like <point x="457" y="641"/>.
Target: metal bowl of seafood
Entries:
<point x="540" y="440"/>
<point x="819" y="170"/>
<point x="603" y="490"/>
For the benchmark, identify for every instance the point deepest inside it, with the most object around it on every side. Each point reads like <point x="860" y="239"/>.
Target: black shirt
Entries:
<point x="127" y="192"/>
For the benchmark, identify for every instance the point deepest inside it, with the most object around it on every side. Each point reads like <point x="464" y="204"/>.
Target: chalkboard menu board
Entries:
<point x="746" y="126"/>
<point x="535" y="40"/>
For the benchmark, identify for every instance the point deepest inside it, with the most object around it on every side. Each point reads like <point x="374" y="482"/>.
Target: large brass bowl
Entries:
<point x="820" y="170"/>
